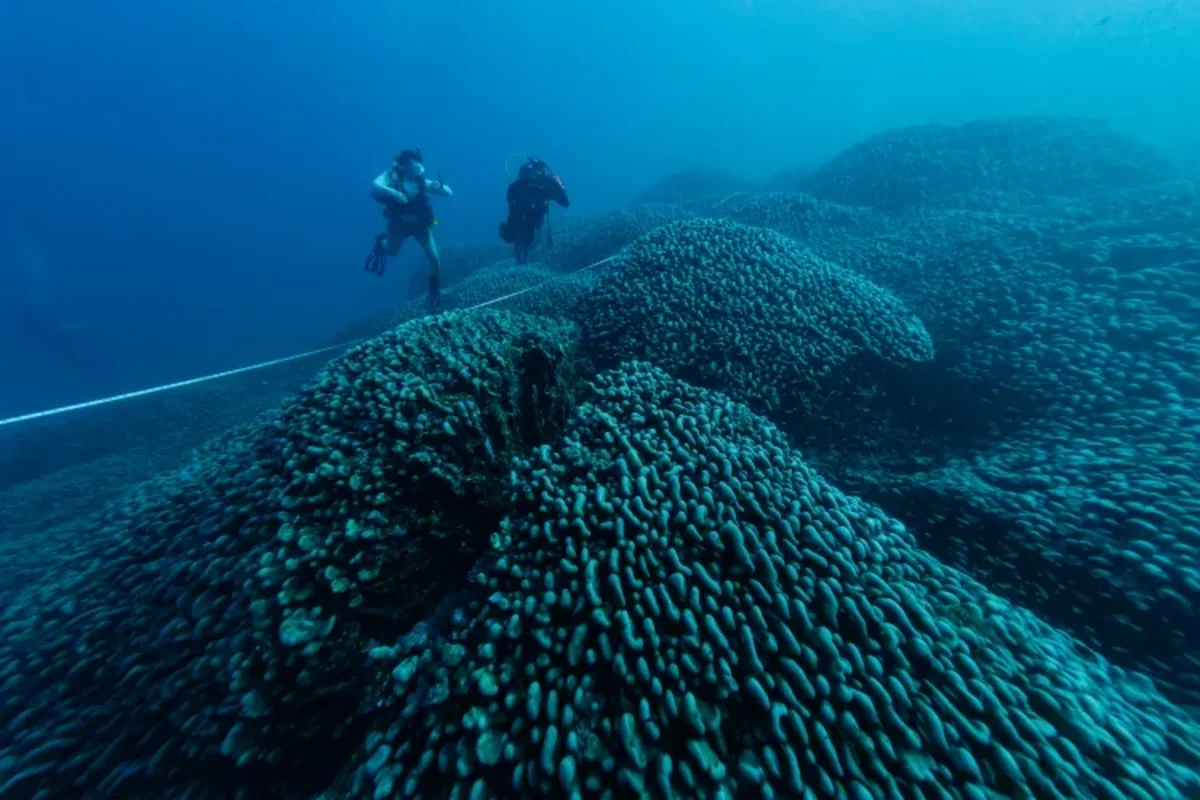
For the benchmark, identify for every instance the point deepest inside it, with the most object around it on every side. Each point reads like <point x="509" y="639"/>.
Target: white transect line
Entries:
<point x="166" y="386"/>
<point x="540" y="285"/>
<point x="726" y="200"/>
<point x="263" y="365"/>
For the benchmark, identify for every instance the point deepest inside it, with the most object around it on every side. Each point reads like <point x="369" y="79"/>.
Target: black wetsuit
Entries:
<point x="413" y="218"/>
<point x="529" y="199"/>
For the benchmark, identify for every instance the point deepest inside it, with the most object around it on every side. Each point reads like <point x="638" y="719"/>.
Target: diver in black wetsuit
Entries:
<point x="529" y="199"/>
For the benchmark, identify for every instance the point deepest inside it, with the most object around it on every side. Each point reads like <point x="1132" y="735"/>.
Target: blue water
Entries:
<point x="184" y="185"/>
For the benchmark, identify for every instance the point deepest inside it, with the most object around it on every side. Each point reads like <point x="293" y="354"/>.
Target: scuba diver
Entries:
<point x="403" y="191"/>
<point x="529" y="199"/>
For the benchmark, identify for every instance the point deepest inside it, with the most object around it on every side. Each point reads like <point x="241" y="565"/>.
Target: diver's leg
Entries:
<point x="435" y="265"/>
<point x="431" y="251"/>
<point x="395" y="237"/>
<point x="524" y="244"/>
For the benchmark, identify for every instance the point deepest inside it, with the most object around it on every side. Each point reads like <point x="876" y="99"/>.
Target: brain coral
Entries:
<point x="682" y="608"/>
<point x="211" y="632"/>
<point x="748" y="311"/>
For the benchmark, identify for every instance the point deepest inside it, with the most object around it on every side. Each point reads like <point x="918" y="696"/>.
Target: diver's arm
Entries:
<point x="437" y="187"/>
<point x="553" y="189"/>
<point x="382" y="191"/>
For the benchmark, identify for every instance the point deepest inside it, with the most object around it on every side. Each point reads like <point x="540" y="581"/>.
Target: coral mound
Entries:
<point x="683" y="608"/>
<point x="527" y="288"/>
<point x="748" y="311"/>
<point x="1064" y="422"/>
<point x="212" y="632"/>
<point x="804" y="217"/>
<point x="973" y="165"/>
<point x="581" y="241"/>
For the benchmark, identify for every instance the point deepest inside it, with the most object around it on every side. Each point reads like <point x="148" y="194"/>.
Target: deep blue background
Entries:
<point x="183" y="185"/>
